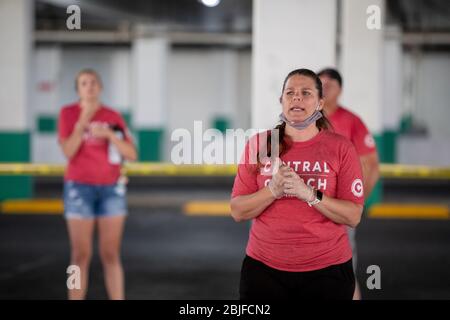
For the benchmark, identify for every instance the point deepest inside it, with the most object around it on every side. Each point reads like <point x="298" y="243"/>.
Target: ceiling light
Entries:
<point x="210" y="3"/>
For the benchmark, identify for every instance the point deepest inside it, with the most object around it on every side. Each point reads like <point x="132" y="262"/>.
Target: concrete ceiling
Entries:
<point x="230" y="16"/>
<point x="171" y="15"/>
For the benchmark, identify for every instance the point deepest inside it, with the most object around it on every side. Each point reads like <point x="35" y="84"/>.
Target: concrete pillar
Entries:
<point x="149" y="81"/>
<point x="287" y="35"/>
<point x="362" y="62"/>
<point x="392" y="102"/>
<point x="16" y="26"/>
<point x="362" y="48"/>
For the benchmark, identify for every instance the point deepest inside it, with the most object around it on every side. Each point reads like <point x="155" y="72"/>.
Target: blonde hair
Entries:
<point x="87" y="71"/>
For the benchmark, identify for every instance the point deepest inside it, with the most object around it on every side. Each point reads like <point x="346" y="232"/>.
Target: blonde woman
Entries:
<point x="94" y="193"/>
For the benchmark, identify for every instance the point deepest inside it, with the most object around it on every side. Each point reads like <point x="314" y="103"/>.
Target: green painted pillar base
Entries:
<point x="15" y="147"/>
<point x="150" y="144"/>
<point x="221" y="124"/>
<point x="47" y="123"/>
<point x="377" y="193"/>
<point x="389" y="146"/>
<point x="387" y="152"/>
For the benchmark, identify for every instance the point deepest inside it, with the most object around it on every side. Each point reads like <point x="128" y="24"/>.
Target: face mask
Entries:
<point x="305" y="123"/>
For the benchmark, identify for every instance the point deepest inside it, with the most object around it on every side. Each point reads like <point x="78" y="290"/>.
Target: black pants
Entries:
<point x="260" y="282"/>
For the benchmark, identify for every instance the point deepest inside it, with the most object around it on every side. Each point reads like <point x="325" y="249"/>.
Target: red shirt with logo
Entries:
<point x="91" y="164"/>
<point x="290" y="235"/>
<point x="351" y="126"/>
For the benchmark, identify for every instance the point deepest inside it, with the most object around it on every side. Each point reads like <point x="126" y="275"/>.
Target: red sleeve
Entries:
<point x="349" y="179"/>
<point x="245" y="181"/>
<point x="65" y="125"/>
<point x="361" y="138"/>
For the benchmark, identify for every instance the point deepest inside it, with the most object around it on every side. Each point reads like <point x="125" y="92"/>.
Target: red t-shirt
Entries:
<point x="289" y="235"/>
<point x="90" y="164"/>
<point x="351" y="126"/>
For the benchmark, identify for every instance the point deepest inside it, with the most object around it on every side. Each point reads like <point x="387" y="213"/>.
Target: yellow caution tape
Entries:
<point x="414" y="171"/>
<point x="169" y="169"/>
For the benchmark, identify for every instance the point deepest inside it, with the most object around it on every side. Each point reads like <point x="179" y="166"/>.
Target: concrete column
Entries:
<point x="149" y="60"/>
<point x="362" y="48"/>
<point x="392" y="102"/>
<point x="16" y="25"/>
<point x="287" y="35"/>
<point x="362" y="62"/>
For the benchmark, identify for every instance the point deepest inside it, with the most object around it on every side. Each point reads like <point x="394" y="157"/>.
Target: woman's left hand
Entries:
<point x="295" y="186"/>
<point x="101" y="132"/>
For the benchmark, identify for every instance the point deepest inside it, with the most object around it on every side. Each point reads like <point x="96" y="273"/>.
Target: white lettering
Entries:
<point x="306" y="165"/>
<point x="296" y="164"/>
<point x="316" y="167"/>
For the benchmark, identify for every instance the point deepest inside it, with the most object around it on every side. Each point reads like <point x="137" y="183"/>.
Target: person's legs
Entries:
<point x="260" y="282"/>
<point x="79" y="213"/>
<point x="111" y="213"/>
<point x="335" y="282"/>
<point x="357" y="293"/>
<point x="110" y="230"/>
<point x="352" y="238"/>
<point x="80" y="234"/>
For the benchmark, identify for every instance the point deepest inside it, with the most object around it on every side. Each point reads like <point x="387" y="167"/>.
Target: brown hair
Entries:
<point x="87" y="71"/>
<point x="322" y="124"/>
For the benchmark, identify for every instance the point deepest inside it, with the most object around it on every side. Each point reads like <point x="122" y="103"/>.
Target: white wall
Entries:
<point x="46" y="67"/>
<point x="433" y="95"/>
<point x="198" y="87"/>
<point x="113" y="65"/>
<point x="423" y="151"/>
<point x="427" y="96"/>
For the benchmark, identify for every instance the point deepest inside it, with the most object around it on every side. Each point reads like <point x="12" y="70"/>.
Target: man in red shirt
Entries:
<point x="349" y="125"/>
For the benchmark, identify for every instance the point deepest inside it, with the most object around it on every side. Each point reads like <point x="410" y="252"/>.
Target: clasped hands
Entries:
<point x="286" y="181"/>
<point x="96" y="130"/>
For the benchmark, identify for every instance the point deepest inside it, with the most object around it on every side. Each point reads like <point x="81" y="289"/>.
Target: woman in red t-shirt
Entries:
<point x="300" y="202"/>
<point x="95" y="139"/>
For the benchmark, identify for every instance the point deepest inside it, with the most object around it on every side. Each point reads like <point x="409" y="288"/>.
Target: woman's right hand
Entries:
<point x="276" y="184"/>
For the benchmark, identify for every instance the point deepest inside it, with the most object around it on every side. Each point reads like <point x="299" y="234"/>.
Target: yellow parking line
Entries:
<point x="409" y="211"/>
<point x="207" y="208"/>
<point x="386" y="210"/>
<point x="222" y="208"/>
<point x="34" y="206"/>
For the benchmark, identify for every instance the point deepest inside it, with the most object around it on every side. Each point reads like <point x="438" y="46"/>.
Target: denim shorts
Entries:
<point x="87" y="201"/>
